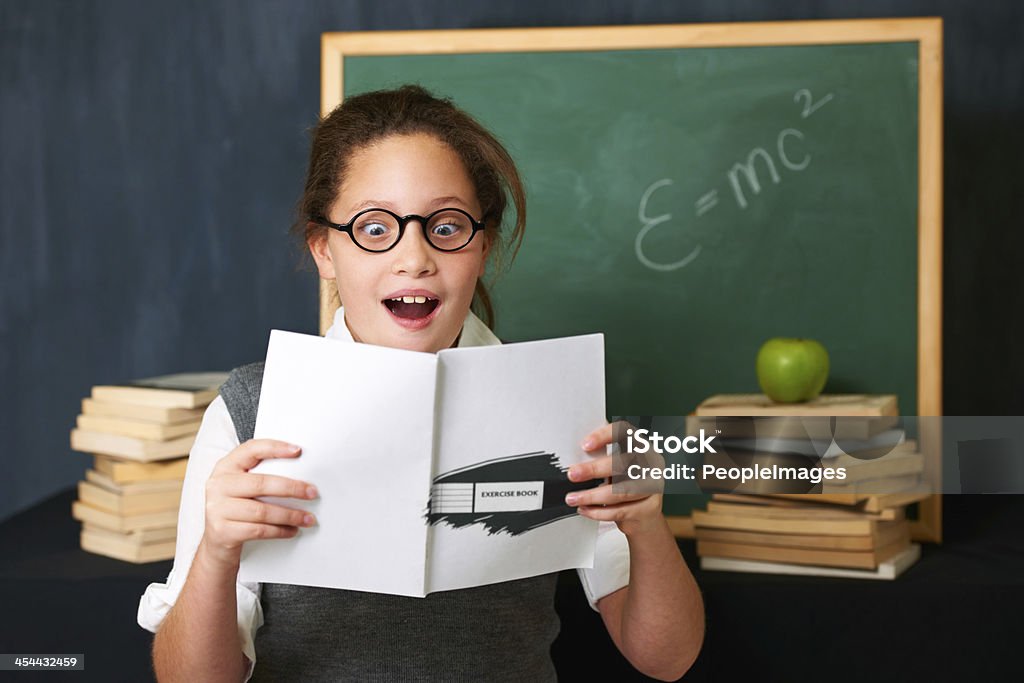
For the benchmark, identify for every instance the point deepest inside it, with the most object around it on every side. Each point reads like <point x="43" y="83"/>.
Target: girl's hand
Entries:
<point x="234" y="517"/>
<point x="634" y="513"/>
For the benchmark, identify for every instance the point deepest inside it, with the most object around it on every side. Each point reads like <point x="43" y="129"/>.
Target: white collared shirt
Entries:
<point x="217" y="438"/>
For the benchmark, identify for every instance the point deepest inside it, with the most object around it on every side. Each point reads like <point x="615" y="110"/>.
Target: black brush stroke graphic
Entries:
<point x="535" y="466"/>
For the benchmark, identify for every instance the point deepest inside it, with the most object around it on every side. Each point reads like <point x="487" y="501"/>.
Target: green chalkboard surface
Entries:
<point x="695" y="190"/>
<point x="691" y="203"/>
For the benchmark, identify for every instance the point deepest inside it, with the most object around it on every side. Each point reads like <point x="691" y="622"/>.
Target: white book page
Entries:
<point x="510" y="419"/>
<point x="363" y="416"/>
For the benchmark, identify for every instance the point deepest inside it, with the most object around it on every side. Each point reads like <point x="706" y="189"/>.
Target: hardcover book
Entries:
<point x="886" y="570"/>
<point x="138" y="429"/>
<point x="151" y="486"/>
<point x="123" y="472"/>
<point x="103" y="542"/>
<point x="130" y="447"/>
<point x="182" y="390"/>
<point x="124" y="523"/>
<point x="127" y="503"/>
<point x="132" y="411"/>
<point x="825" y="405"/>
<point x="853" y="559"/>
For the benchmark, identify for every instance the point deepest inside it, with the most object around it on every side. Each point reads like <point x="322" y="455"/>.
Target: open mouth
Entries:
<point x="411" y="307"/>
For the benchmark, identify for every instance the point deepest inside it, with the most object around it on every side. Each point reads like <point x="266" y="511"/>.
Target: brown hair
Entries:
<point x="364" y="119"/>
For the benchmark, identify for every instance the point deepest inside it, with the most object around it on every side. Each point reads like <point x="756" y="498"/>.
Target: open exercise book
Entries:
<point x="435" y="471"/>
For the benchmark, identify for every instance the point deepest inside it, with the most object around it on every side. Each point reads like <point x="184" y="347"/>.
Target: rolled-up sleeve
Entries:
<point x="216" y="438"/>
<point x="611" y="564"/>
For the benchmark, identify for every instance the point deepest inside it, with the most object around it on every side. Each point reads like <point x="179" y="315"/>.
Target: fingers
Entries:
<point x="233" y="534"/>
<point x="633" y="511"/>
<point x="234" y="516"/>
<point x="599" y="438"/>
<point x="598" y="468"/>
<point x="641" y="512"/>
<point x="603" y="504"/>
<point x="260" y="513"/>
<point x="250" y="485"/>
<point x="230" y="522"/>
<point x="602" y="495"/>
<point x="250" y="453"/>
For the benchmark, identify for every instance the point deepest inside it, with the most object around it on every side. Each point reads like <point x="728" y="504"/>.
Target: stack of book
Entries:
<point x="778" y="535"/>
<point x="795" y="519"/>
<point x="139" y="435"/>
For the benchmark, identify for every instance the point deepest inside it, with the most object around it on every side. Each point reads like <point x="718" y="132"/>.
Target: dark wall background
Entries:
<point x="151" y="154"/>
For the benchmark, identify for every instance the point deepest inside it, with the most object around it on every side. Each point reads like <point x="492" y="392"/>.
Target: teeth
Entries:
<point x="411" y="299"/>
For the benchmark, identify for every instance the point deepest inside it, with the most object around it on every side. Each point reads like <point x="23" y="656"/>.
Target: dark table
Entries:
<point x="954" y="616"/>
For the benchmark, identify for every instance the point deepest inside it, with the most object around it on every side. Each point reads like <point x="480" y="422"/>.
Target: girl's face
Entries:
<point x="406" y="174"/>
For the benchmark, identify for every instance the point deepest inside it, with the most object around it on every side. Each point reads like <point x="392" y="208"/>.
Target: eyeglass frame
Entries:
<point x="402" y="222"/>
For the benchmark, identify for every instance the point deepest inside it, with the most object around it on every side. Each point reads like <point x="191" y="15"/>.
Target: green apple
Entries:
<point x="792" y="370"/>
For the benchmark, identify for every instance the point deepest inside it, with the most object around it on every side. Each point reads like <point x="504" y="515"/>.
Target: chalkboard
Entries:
<point x="695" y="190"/>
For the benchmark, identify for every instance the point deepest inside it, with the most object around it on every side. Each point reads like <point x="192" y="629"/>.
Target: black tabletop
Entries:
<point x="953" y="616"/>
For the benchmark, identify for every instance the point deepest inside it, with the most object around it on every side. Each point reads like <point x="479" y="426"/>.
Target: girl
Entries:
<point x="402" y="207"/>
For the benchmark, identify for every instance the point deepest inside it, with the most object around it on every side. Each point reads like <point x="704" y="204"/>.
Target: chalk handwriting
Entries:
<point x="649" y="224"/>
<point x="805" y="94"/>
<point x="746" y="179"/>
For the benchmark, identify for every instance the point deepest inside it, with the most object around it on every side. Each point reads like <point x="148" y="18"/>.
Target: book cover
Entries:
<point x="719" y="506"/>
<point x="808" y="502"/>
<point x="130" y="447"/>
<point x="134" y="538"/>
<point x="881" y="486"/>
<point x="150" y="414"/>
<point x="861" y="559"/>
<point x="871" y="502"/>
<point x="437" y="471"/>
<point x="759" y="405"/>
<point x="874" y="447"/>
<point x="124" y="471"/>
<point x="127" y="503"/>
<point x="102" y="544"/>
<point x="123" y="523"/>
<point x="137" y="428"/>
<point x="182" y="390"/>
<point x="154" y="486"/>
<point x="886" y="570"/>
<point x="833" y="526"/>
<point x="790" y="426"/>
<point x="887" y="534"/>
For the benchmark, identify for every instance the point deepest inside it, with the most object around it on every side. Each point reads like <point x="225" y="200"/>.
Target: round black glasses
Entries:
<point x="378" y="230"/>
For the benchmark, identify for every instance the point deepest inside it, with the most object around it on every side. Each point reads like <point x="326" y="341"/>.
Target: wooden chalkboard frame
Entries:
<point x="926" y="32"/>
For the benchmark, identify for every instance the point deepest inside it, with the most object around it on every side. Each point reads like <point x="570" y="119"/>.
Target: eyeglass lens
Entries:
<point x="378" y="230"/>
